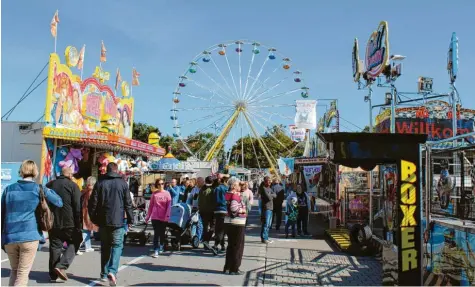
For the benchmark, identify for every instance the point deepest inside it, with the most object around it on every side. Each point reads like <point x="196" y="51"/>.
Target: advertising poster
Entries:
<point x="449" y="258"/>
<point x="10" y="173"/>
<point x="306" y="114"/>
<point x="286" y="166"/>
<point x="297" y="134"/>
<point x="87" y="106"/>
<point x="312" y="177"/>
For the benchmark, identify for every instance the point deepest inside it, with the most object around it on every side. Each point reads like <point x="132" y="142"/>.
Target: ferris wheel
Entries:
<point x="235" y="89"/>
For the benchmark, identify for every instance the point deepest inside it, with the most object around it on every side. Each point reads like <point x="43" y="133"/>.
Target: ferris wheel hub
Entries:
<point x="241" y="105"/>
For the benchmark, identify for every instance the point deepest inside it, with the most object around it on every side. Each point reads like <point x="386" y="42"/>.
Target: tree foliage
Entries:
<point x="141" y="131"/>
<point x="198" y="143"/>
<point x="277" y="143"/>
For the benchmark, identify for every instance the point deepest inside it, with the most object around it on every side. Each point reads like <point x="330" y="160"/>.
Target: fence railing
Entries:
<point x="451" y="178"/>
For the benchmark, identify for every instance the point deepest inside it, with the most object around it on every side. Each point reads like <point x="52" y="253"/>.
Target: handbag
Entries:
<point x="44" y="215"/>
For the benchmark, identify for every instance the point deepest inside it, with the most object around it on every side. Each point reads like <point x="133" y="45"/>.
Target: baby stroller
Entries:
<point x="140" y="210"/>
<point x="183" y="227"/>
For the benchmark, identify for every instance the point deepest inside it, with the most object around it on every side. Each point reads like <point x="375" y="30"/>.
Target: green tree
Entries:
<point x="198" y="143"/>
<point x="141" y="131"/>
<point x="278" y="144"/>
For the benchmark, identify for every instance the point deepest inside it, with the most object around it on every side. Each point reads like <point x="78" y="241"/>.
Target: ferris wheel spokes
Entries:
<point x="260" y="141"/>
<point x="217" y="84"/>
<point x="206" y="108"/>
<point x="276" y="96"/>
<point x="257" y="77"/>
<point x="207" y="117"/>
<point x="249" y="72"/>
<point x="199" y="85"/>
<point x="222" y="76"/>
<point x="240" y="78"/>
<point x="269" y="131"/>
<point x="230" y="71"/>
<point x="253" y="99"/>
<point x="262" y="84"/>
<point x="224" y="134"/>
<point x="287" y="118"/>
<point x="201" y="98"/>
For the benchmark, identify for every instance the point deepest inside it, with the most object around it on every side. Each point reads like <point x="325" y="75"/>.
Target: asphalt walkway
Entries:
<point x="286" y="262"/>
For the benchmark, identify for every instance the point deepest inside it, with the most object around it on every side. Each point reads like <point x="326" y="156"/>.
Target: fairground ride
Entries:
<point x="233" y="90"/>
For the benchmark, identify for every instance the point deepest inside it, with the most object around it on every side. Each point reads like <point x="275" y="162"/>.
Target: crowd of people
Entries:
<point x="107" y="206"/>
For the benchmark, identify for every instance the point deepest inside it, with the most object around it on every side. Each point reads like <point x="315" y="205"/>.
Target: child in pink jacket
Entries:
<point x="159" y="211"/>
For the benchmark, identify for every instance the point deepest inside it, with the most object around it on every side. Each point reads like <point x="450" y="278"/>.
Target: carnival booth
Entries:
<point x="88" y="126"/>
<point x="171" y="168"/>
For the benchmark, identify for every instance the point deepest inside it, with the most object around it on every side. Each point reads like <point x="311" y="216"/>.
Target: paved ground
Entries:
<point x="302" y="262"/>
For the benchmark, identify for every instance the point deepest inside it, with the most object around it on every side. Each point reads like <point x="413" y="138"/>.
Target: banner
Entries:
<point x="312" y="177"/>
<point x="306" y="114"/>
<point x="297" y="134"/>
<point x="85" y="106"/>
<point x="286" y="165"/>
<point x="10" y="173"/>
<point x="435" y="129"/>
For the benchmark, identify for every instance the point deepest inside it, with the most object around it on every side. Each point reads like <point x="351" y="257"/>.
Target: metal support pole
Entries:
<point x="370" y="181"/>
<point x="242" y="148"/>
<point x="370" y="93"/>
<point x="428" y="183"/>
<point x="454" y="113"/>
<point x="55" y="148"/>
<point x="393" y="109"/>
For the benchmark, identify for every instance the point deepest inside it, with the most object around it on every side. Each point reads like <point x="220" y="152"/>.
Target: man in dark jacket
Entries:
<point x="206" y="207"/>
<point x="278" y="190"/>
<point x="267" y="196"/>
<point x="67" y="225"/>
<point x="109" y="201"/>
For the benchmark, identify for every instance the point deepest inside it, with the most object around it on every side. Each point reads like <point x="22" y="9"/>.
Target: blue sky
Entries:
<point x="160" y="38"/>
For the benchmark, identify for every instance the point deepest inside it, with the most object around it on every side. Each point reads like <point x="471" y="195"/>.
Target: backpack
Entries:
<point x="44" y="216"/>
<point x="292" y="213"/>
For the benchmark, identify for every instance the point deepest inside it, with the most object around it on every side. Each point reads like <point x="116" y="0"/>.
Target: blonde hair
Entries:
<point x="91" y="181"/>
<point x="28" y="168"/>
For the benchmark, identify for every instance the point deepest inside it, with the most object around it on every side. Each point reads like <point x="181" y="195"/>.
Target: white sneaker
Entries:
<point x="79" y="253"/>
<point x="89" y="250"/>
<point x="155" y="254"/>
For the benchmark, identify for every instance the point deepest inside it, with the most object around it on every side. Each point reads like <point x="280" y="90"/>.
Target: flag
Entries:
<point x="135" y="77"/>
<point x="81" y="58"/>
<point x="54" y="24"/>
<point x="118" y="79"/>
<point x="103" y="52"/>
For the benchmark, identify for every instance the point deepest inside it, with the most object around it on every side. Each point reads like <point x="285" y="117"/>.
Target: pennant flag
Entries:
<point x="81" y="58"/>
<point x="135" y="77"/>
<point x="54" y="24"/>
<point x="118" y="79"/>
<point x="103" y="52"/>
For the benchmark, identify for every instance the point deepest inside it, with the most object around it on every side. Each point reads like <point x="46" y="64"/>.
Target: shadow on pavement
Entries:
<point x="154" y="267"/>
<point x="42" y="277"/>
<point x="173" y="284"/>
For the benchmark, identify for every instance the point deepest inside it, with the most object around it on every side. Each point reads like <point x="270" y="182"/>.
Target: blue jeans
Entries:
<point x="267" y="222"/>
<point x="112" y="244"/>
<point x="86" y="239"/>
<point x="197" y="229"/>
<point x="288" y="224"/>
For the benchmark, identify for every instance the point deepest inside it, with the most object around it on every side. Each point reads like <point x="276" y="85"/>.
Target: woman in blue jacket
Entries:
<point x="20" y="231"/>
